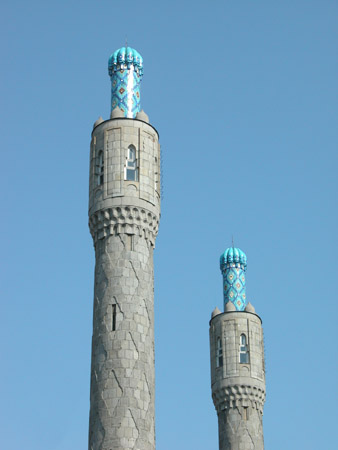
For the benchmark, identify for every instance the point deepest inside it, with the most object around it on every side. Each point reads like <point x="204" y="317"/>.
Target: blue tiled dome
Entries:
<point x="233" y="255"/>
<point x="233" y="267"/>
<point x="124" y="58"/>
<point x="125" y="68"/>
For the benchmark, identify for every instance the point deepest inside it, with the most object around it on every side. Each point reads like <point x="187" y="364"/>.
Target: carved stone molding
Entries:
<point x="123" y="220"/>
<point x="235" y="396"/>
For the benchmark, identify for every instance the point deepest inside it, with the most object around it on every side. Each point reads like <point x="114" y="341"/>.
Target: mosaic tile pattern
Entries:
<point x="233" y="263"/>
<point x="125" y="68"/>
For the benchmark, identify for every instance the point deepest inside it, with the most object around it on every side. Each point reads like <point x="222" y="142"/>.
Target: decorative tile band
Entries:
<point x="233" y="264"/>
<point x="125" y="68"/>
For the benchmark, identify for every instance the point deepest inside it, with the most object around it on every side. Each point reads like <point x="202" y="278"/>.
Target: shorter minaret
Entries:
<point x="237" y="361"/>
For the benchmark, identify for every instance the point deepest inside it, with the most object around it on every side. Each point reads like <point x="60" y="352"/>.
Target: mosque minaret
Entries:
<point x="124" y="213"/>
<point x="237" y="361"/>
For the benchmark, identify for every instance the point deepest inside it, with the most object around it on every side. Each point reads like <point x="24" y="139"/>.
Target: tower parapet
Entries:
<point x="237" y="361"/>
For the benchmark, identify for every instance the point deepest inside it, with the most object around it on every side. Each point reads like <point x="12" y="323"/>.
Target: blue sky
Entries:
<point x="244" y="96"/>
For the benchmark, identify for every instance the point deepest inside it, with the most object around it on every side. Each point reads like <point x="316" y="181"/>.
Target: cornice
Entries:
<point x="123" y="220"/>
<point x="239" y="395"/>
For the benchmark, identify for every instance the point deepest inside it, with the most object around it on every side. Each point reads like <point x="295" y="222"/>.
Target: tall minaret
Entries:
<point x="124" y="213"/>
<point x="237" y="361"/>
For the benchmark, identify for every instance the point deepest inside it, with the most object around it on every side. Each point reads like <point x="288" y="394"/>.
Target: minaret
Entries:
<point x="237" y="361"/>
<point x="124" y="213"/>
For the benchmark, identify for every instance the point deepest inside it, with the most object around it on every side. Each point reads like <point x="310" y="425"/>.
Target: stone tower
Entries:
<point x="124" y="212"/>
<point x="237" y="361"/>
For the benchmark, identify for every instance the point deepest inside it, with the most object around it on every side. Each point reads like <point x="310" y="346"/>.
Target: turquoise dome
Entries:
<point x="233" y="267"/>
<point x="125" y="68"/>
<point x="125" y="57"/>
<point x="231" y="256"/>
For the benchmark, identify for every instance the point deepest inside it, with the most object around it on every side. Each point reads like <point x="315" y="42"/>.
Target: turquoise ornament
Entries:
<point x="125" y="68"/>
<point x="233" y="263"/>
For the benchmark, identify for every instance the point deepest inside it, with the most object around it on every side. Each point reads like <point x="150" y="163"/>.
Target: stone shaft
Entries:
<point x="124" y="210"/>
<point x="238" y="379"/>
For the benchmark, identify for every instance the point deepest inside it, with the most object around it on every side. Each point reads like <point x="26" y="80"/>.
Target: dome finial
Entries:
<point x="233" y="267"/>
<point x="125" y="68"/>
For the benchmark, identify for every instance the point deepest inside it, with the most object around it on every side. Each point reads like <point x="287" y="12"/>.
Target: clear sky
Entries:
<point x="244" y="96"/>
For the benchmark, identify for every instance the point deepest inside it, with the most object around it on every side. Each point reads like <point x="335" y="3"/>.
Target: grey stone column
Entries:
<point x="237" y="432"/>
<point x="123" y="218"/>
<point x="238" y="387"/>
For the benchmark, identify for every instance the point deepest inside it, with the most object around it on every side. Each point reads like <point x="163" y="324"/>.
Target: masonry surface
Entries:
<point x="123" y="219"/>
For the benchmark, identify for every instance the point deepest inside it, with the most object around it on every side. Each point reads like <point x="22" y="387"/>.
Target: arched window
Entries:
<point x="130" y="169"/>
<point x="99" y="169"/>
<point x="243" y="350"/>
<point x="219" y="353"/>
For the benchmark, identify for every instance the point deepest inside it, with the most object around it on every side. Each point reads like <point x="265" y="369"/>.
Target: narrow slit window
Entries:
<point x="219" y="353"/>
<point x="130" y="242"/>
<point x="114" y="318"/>
<point x="99" y="170"/>
<point x="130" y="169"/>
<point x="243" y="350"/>
<point x="156" y="175"/>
